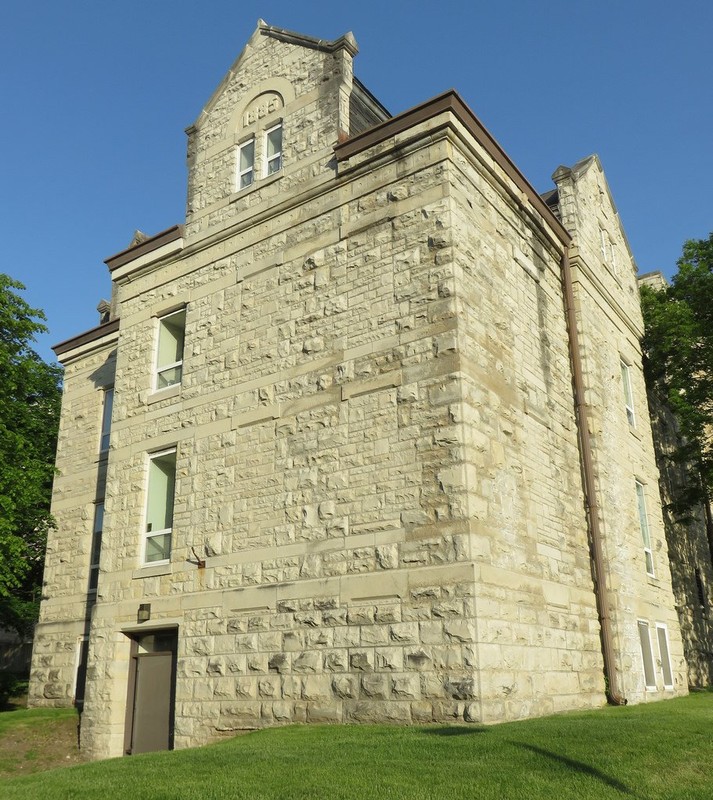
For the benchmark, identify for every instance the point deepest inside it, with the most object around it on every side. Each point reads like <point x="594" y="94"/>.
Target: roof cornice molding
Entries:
<point x="143" y="248"/>
<point x="451" y="102"/>
<point x="346" y="42"/>
<point x="92" y="336"/>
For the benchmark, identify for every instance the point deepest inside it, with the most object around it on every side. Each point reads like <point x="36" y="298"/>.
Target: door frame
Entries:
<point x="135" y="636"/>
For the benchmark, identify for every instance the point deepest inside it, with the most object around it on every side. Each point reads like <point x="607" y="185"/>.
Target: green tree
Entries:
<point x="678" y="350"/>
<point x="29" y="417"/>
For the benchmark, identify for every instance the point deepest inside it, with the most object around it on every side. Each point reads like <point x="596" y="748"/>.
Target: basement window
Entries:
<point x="159" y="507"/>
<point x="647" y="655"/>
<point x="664" y="655"/>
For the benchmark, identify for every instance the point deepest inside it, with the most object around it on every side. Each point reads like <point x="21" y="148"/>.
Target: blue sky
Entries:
<point x="95" y="98"/>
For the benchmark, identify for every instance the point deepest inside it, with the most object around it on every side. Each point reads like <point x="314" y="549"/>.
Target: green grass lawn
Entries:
<point x="660" y="750"/>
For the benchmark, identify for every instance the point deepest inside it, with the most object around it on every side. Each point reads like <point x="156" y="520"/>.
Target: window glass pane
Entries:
<point x="628" y="398"/>
<point x="157" y="642"/>
<point x="647" y="655"/>
<point x="171" y="335"/>
<point x="169" y="377"/>
<point x="246" y="163"/>
<point x="96" y="546"/>
<point x="665" y="657"/>
<point x="159" y="506"/>
<point x="274" y="142"/>
<point x="98" y="517"/>
<point x="247" y="155"/>
<point x="158" y="548"/>
<point x="170" y="340"/>
<point x="273" y="149"/>
<point x="106" y="419"/>
<point x="644" y="525"/>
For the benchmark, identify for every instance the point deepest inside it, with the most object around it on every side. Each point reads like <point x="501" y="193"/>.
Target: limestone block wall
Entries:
<point x="378" y="509"/>
<point x="77" y="486"/>
<point x="538" y="631"/>
<point x="315" y="459"/>
<point x="609" y="328"/>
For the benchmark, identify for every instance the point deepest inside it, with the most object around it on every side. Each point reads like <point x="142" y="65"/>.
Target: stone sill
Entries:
<point x="634" y="432"/>
<point x="151" y="571"/>
<point x="164" y="394"/>
<point x="260" y="183"/>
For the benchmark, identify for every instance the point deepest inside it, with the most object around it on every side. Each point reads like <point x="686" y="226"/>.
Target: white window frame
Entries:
<point x="644" y="526"/>
<point x="107" y="406"/>
<point x="628" y="394"/>
<point x="249" y="171"/>
<point x="276" y="156"/>
<point x="150" y="534"/>
<point x="649" y="666"/>
<point x="664" y="658"/>
<point x="97" y="531"/>
<point x="178" y="364"/>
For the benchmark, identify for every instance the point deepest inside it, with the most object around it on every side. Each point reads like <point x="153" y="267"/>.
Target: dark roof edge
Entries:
<point x="372" y="97"/>
<point x="152" y="243"/>
<point x="88" y="336"/>
<point x="348" y="42"/>
<point x="451" y="101"/>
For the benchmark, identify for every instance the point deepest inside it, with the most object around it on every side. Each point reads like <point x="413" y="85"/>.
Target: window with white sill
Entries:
<point x="159" y="507"/>
<point x="169" y="361"/>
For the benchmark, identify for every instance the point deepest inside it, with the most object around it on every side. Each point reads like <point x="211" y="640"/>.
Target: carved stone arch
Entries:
<point x="274" y="94"/>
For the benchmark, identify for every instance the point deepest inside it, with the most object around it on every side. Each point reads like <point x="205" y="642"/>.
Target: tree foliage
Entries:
<point x="678" y="349"/>
<point x="29" y="418"/>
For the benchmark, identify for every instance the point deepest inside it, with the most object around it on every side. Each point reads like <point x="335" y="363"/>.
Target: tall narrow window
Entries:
<point x="106" y="420"/>
<point x="647" y="655"/>
<point x="96" y="546"/>
<point x="644" y="524"/>
<point x="273" y="149"/>
<point x="159" y="506"/>
<point x="628" y="396"/>
<point x="701" y="590"/>
<point x="171" y="334"/>
<point x="246" y="163"/>
<point x="666" y="671"/>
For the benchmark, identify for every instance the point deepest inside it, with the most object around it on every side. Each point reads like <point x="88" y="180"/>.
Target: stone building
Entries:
<point x="364" y="439"/>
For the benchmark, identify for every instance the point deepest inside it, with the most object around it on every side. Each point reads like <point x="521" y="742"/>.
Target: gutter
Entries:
<point x="601" y="593"/>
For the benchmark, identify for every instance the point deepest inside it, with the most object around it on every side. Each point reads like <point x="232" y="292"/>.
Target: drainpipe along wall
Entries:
<point x="614" y="695"/>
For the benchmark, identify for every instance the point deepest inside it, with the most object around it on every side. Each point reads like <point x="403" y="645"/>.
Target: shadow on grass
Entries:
<point x="454" y="730"/>
<point x="578" y="766"/>
<point x="13" y="704"/>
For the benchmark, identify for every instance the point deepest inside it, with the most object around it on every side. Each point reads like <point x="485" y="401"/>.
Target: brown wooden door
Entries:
<point x="153" y="673"/>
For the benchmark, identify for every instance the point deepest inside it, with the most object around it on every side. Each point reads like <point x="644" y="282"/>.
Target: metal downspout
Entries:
<point x="614" y="695"/>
